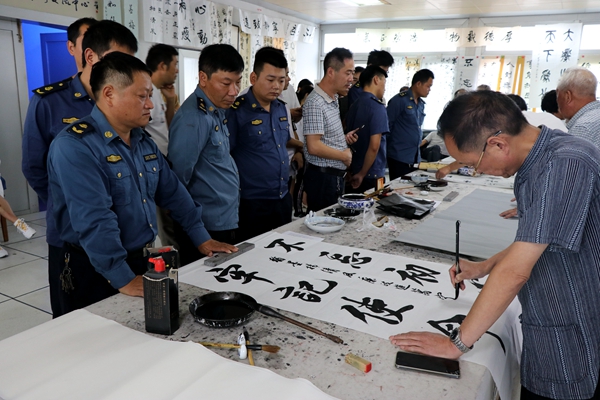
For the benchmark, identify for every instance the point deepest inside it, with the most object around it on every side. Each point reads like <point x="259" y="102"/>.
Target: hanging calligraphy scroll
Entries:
<point x="130" y="16"/>
<point x="557" y="49"/>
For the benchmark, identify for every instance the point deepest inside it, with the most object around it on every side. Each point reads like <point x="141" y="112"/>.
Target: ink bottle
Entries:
<point x="161" y="298"/>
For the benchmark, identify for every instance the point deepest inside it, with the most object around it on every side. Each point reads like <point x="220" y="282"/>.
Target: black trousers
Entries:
<point x="55" y="267"/>
<point x="322" y="189"/>
<point x="298" y="191"/>
<point x="89" y="286"/>
<point x="366" y="184"/>
<point x="398" y="169"/>
<point x="262" y="215"/>
<point x="188" y="253"/>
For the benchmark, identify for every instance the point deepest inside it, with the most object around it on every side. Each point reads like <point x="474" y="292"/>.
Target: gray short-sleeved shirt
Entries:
<point x="558" y="193"/>
<point x="321" y="116"/>
<point x="586" y="123"/>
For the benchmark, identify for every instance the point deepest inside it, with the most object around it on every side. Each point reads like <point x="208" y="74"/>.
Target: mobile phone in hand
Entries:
<point x="430" y="364"/>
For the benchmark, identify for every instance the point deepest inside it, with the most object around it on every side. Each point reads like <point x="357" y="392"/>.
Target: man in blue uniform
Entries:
<point x="106" y="176"/>
<point x="199" y="147"/>
<point x="53" y="108"/>
<point x="75" y="33"/>
<point x="379" y="58"/>
<point x="406" y="112"/>
<point x="368" y="114"/>
<point x="259" y="127"/>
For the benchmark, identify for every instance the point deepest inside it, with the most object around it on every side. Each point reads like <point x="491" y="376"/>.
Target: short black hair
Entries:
<point x="549" y="102"/>
<point x="366" y="77"/>
<point x="268" y="55"/>
<point x="472" y="118"/>
<point x="519" y="101"/>
<point x="380" y="58"/>
<point x="103" y="34"/>
<point x="304" y="91"/>
<point x="336" y="58"/>
<point x="422" y="76"/>
<point x="359" y="69"/>
<point x="220" y="57"/>
<point x="116" y="68"/>
<point x="73" y="29"/>
<point x="304" y="82"/>
<point x="160" y="53"/>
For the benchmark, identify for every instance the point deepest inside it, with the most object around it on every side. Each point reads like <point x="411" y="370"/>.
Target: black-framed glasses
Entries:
<point x="483" y="152"/>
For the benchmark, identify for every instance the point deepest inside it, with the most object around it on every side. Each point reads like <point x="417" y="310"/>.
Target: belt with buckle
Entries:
<point x="328" y="170"/>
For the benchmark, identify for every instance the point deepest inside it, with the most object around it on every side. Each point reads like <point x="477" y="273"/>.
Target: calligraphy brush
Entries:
<point x="264" y="347"/>
<point x="247" y="337"/>
<point x="456" y="261"/>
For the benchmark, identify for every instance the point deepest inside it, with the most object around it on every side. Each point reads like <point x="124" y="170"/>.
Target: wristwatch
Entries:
<point x="455" y="338"/>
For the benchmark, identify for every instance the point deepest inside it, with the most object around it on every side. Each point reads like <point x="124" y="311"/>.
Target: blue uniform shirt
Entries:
<point x="369" y="111"/>
<point x="258" y="139"/>
<point x="51" y="109"/>
<point x="354" y="94"/>
<point x="105" y="194"/>
<point x="406" y="119"/>
<point x="199" y="154"/>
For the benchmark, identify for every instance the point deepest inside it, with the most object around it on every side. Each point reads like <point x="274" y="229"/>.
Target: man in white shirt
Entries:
<point x="163" y="60"/>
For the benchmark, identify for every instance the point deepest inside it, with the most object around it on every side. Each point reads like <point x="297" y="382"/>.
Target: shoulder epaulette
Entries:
<point x="53" y="87"/>
<point x="357" y="85"/>
<point x="283" y="102"/>
<point x="80" y="128"/>
<point x="378" y="100"/>
<point x="146" y="133"/>
<point x="402" y="94"/>
<point x="238" y="102"/>
<point x="202" y="105"/>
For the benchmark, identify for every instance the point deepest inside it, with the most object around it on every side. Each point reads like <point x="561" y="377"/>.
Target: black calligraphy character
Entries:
<point x="446" y="326"/>
<point x="396" y="38"/>
<point x="277" y="259"/>
<point x="508" y="37"/>
<point x="548" y="54"/>
<point x="508" y="74"/>
<point x="489" y="36"/>
<point x="386" y="284"/>
<point x="550" y="36"/>
<point x="353" y="260"/>
<point x="402" y="287"/>
<point x="413" y="37"/>
<point x="506" y="85"/>
<point x="441" y="296"/>
<point x="256" y="23"/>
<point x="527" y="85"/>
<point x="417" y="290"/>
<point x="528" y="75"/>
<point x="417" y="273"/>
<point x="545" y="75"/>
<point x="275" y="27"/>
<point x="167" y="2"/>
<point x="131" y="25"/>
<point x="183" y="8"/>
<point x="295" y="264"/>
<point x="266" y="25"/>
<point x="526" y="96"/>
<point x="306" y="291"/>
<point x="382" y="37"/>
<point x="475" y="282"/>
<point x="367" y="279"/>
<point x="200" y="10"/>
<point x="130" y="8"/>
<point x="330" y="270"/>
<point x="377" y="307"/>
<point x="235" y="272"/>
<point x="202" y="37"/>
<point x="471" y="37"/>
<point x="566" y="55"/>
<point x="586" y="65"/>
<point x="509" y="64"/>
<point x="311" y="266"/>
<point x="543" y="92"/>
<point x="468" y="62"/>
<point x="175" y="25"/>
<point x="349" y="274"/>
<point x="152" y="31"/>
<point x="287" y="247"/>
<point x="568" y="33"/>
<point x="454" y="37"/>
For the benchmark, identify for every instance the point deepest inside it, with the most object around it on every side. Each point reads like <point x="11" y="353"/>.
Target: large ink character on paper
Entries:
<point x="446" y="326"/>
<point x="306" y="291"/>
<point x="416" y="273"/>
<point x="353" y="260"/>
<point x="234" y="271"/>
<point x="378" y="308"/>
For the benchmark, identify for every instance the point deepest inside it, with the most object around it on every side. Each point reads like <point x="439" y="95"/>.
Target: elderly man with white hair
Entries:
<point x="576" y="97"/>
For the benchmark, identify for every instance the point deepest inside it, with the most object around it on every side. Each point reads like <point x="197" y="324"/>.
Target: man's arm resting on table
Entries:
<point x="510" y="270"/>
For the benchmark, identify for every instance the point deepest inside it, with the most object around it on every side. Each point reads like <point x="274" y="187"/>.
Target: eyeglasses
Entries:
<point x="483" y="152"/>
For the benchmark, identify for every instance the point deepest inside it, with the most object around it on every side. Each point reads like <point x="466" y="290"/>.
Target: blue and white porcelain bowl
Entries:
<point x="355" y="201"/>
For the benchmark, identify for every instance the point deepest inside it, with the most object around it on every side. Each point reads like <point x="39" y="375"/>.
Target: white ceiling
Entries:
<point x="336" y="11"/>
